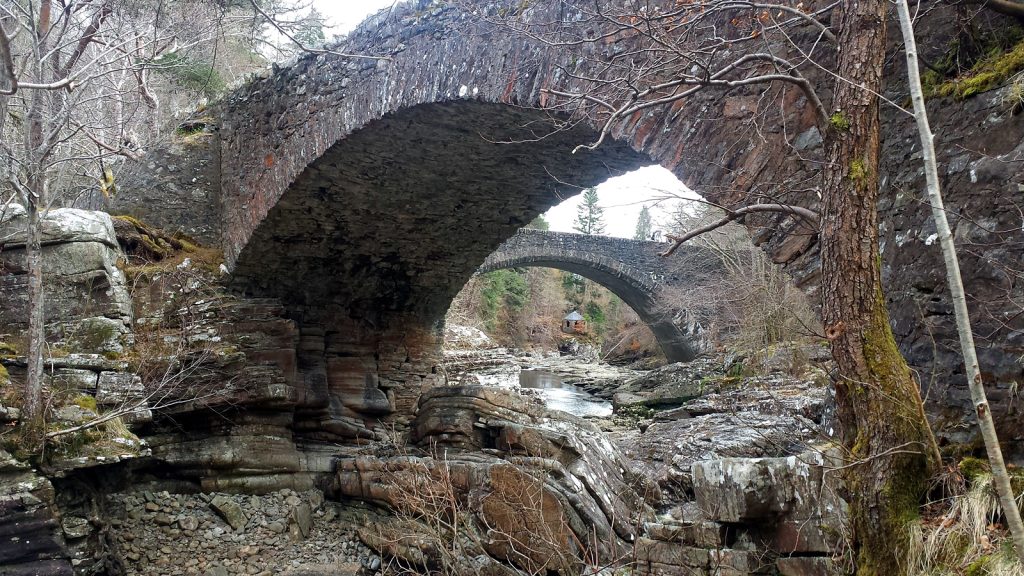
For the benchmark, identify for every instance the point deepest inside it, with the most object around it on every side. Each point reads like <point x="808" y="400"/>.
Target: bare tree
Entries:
<point x="82" y="87"/>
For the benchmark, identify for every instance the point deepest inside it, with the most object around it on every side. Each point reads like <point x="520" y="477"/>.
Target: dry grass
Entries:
<point x="965" y="537"/>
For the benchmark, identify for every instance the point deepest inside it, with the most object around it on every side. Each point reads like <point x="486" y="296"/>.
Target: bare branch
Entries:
<point x="809" y="215"/>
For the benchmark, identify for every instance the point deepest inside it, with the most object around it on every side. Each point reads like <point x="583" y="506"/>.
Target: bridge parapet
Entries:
<point x="633" y="270"/>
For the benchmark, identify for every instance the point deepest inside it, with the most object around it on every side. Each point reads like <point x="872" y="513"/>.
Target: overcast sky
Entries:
<point x="620" y="197"/>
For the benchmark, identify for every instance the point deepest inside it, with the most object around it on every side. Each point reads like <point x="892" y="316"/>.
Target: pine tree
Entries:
<point x="644" y="226"/>
<point x="589" y="216"/>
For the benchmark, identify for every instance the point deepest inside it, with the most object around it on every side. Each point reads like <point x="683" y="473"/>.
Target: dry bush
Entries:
<point x="744" y="300"/>
<point x="460" y="519"/>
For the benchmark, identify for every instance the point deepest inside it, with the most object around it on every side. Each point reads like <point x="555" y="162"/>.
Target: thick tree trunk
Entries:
<point x="882" y="420"/>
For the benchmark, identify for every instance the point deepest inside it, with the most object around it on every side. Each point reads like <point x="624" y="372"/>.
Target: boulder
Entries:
<point x="80" y="254"/>
<point x="230" y="511"/>
<point x="790" y="505"/>
<point x="117" y="388"/>
<point x="302" y="517"/>
<point x="667" y="386"/>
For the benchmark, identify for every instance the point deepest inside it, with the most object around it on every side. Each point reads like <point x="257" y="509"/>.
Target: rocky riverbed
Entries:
<point x="285" y="532"/>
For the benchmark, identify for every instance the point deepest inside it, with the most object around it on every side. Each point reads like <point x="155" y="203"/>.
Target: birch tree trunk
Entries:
<point x="956" y="287"/>
<point x="36" y="201"/>
<point x="882" y="422"/>
<point x="36" y="320"/>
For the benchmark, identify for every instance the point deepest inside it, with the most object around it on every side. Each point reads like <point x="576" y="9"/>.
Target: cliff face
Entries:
<point x="981" y="157"/>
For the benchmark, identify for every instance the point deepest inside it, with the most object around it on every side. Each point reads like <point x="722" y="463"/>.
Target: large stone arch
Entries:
<point x="272" y="137"/>
<point x="633" y="270"/>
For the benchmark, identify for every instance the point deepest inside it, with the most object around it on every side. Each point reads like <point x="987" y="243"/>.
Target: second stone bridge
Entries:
<point x="633" y="270"/>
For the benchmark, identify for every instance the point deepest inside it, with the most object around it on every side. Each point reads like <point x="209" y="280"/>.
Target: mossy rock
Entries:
<point x="979" y="567"/>
<point x="8" y="349"/>
<point x="971" y="468"/>
<point x="1004" y="59"/>
<point x="97" y="336"/>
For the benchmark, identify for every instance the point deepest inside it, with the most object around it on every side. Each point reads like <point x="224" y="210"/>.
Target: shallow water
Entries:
<point x="561" y="396"/>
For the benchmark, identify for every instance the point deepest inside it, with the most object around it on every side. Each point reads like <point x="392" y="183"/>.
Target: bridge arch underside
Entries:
<point x="369" y="245"/>
<point x="640" y="295"/>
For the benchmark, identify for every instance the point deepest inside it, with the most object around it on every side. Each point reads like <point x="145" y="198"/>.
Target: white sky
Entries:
<point x="621" y="197"/>
<point x="344" y="15"/>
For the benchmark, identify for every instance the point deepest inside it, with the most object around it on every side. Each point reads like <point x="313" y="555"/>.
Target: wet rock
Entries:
<point x="668" y="386"/>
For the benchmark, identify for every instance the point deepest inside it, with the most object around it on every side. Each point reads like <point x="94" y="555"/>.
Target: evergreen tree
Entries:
<point x="539" y="223"/>
<point x="589" y="216"/>
<point x="644" y="226"/>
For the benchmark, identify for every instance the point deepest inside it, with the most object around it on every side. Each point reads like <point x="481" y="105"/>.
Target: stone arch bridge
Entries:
<point x="361" y="194"/>
<point x="633" y="270"/>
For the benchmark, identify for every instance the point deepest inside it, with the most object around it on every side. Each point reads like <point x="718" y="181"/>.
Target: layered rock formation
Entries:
<point x="535" y="489"/>
<point x="31" y="535"/>
<point x="88" y="308"/>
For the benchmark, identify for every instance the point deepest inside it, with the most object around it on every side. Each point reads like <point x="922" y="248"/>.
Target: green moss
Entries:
<point x="971" y="468"/>
<point x="131" y="220"/>
<point x="987" y="74"/>
<point x="87" y="402"/>
<point x="979" y="567"/>
<point x="839" y="122"/>
<point x="901" y="412"/>
<point x="857" y="169"/>
<point x="7" y="349"/>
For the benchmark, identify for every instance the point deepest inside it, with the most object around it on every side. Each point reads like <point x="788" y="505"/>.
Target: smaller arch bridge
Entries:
<point x="633" y="270"/>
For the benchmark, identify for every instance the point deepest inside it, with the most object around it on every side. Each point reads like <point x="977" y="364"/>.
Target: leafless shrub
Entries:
<point x="753" y="303"/>
<point x="455" y="518"/>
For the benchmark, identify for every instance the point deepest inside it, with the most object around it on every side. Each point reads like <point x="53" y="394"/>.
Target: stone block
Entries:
<point x="83" y="381"/>
<point x="116" y="388"/>
<point x="302" y="517"/>
<point x="702" y="534"/>
<point x="230" y="511"/>
<point x="744" y="489"/>
<point x="813" y="534"/>
<point x="808" y="566"/>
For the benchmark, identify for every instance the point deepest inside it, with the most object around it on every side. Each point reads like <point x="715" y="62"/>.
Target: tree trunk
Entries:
<point x="36" y="318"/>
<point x="882" y="421"/>
<point x="956" y="288"/>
